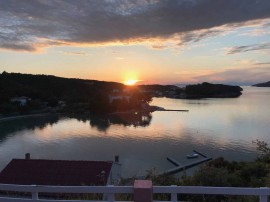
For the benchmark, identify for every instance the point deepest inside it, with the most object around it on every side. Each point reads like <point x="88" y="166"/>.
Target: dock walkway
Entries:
<point x="180" y="167"/>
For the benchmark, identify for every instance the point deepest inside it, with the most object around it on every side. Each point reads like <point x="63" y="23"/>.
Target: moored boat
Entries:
<point x="192" y="156"/>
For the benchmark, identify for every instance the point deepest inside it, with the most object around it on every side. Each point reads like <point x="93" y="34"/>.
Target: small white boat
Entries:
<point x="192" y="156"/>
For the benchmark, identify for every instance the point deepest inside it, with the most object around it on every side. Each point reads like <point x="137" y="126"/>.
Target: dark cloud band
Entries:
<point x="27" y="24"/>
<point x="254" y="47"/>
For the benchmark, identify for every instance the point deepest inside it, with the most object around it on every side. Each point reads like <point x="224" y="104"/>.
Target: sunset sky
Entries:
<point x="166" y="41"/>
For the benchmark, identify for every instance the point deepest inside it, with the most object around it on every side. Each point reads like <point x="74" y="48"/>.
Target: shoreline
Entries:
<point x="149" y="109"/>
<point x="24" y="116"/>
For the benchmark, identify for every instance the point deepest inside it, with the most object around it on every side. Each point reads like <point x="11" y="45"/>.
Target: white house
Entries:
<point x="21" y="100"/>
<point x="119" y="97"/>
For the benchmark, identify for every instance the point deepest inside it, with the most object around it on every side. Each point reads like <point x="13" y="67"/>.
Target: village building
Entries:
<point x="21" y="100"/>
<point x="115" y="90"/>
<point x="61" y="103"/>
<point x="119" y="97"/>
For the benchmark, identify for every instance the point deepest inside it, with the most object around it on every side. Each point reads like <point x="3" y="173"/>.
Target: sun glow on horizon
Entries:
<point x="131" y="82"/>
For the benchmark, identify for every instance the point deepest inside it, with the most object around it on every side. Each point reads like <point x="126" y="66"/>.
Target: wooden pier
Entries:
<point x="173" y="161"/>
<point x="184" y="167"/>
<point x="200" y="154"/>
<point x="180" y="167"/>
<point x="172" y="110"/>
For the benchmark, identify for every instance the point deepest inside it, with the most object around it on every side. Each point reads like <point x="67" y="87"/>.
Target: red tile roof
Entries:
<point x="56" y="172"/>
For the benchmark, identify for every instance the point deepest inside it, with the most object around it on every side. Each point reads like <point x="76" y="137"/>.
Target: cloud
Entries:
<point x="119" y="58"/>
<point x="253" y="47"/>
<point x="80" y="22"/>
<point x="79" y="53"/>
<point x="241" y="75"/>
<point x="158" y="46"/>
<point x="18" y="47"/>
<point x="262" y="63"/>
<point x="257" y="32"/>
<point x="250" y="63"/>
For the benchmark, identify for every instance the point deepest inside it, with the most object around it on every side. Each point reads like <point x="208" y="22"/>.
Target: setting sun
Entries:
<point x="131" y="82"/>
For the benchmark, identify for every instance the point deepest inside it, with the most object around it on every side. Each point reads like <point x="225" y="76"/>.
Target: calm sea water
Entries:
<point x="215" y="127"/>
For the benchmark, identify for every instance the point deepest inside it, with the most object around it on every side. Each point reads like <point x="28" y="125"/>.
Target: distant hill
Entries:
<point x="266" y="84"/>
<point x="232" y="83"/>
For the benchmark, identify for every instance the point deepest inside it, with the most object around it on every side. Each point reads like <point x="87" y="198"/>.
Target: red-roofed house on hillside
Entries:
<point x="58" y="172"/>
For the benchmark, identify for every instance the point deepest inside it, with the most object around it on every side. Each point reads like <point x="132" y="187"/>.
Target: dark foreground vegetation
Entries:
<point x="28" y="94"/>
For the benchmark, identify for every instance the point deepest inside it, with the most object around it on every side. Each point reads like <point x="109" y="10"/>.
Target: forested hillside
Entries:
<point x="48" y="87"/>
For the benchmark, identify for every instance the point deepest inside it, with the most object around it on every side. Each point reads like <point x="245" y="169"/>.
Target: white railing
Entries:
<point x="110" y="191"/>
<point x="262" y="192"/>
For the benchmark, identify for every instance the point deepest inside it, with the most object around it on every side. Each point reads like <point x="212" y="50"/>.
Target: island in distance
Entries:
<point x="266" y="84"/>
<point x="208" y="90"/>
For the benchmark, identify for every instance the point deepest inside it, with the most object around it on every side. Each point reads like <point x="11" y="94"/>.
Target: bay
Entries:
<point x="215" y="127"/>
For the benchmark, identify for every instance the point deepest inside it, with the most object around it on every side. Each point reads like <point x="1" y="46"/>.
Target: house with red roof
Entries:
<point x="59" y="172"/>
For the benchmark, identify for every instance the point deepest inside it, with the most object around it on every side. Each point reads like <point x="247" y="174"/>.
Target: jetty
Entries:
<point x="180" y="167"/>
<point x="172" y="110"/>
<point x="184" y="167"/>
<point x="161" y="109"/>
<point x="173" y="161"/>
<point x="200" y="153"/>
